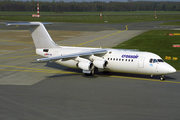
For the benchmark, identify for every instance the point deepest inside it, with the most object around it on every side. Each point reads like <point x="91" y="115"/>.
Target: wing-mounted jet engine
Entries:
<point x="98" y="62"/>
<point x="85" y="64"/>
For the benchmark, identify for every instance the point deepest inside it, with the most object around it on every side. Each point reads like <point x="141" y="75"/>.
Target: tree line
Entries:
<point x="8" y="5"/>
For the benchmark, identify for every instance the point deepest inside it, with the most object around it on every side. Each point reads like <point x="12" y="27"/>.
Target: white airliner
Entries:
<point x="90" y="59"/>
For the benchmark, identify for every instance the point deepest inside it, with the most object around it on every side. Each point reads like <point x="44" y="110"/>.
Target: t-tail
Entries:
<point x="40" y="36"/>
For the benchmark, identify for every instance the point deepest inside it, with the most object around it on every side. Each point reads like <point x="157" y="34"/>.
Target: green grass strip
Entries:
<point x="172" y="23"/>
<point x="98" y="12"/>
<point x="157" y="42"/>
<point x="90" y="18"/>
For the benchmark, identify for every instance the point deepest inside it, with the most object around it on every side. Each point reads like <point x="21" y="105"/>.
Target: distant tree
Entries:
<point x="129" y="0"/>
<point x="61" y="6"/>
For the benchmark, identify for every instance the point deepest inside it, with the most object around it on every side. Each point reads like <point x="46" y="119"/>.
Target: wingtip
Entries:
<point x="7" y="24"/>
<point x="38" y="60"/>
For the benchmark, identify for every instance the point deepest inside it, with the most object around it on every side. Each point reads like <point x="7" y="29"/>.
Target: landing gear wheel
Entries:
<point x="89" y="74"/>
<point x="162" y="77"/>
<point x="92" y="72"/>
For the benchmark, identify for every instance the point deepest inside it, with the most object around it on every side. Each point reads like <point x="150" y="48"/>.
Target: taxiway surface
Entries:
<point x="43" y="91"/>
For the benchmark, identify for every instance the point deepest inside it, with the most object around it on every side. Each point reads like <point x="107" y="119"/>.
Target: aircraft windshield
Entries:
<point x="155" y="60"/>
<point x="160" y="60"/>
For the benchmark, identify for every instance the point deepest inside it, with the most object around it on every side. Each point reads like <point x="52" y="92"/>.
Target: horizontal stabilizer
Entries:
<point x="26" y="23"/>
<point x="39" y="34"/>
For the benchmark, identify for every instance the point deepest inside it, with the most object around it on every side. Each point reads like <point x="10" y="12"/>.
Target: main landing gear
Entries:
<point x="89" y="72"/>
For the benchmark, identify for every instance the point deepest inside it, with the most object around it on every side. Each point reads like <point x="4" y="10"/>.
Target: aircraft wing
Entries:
<point x="74" y="55"/>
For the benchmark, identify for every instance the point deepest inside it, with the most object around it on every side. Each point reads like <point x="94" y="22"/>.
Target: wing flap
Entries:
<point x="74" y="55"/>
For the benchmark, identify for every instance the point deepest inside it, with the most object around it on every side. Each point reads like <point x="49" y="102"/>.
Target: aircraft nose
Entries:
<point x="171" y="69"/>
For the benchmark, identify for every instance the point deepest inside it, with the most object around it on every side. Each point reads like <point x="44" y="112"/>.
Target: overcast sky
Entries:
<point x="98" y="0"/>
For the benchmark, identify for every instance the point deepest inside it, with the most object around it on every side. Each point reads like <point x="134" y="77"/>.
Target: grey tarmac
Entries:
<point x="42" y="91"/>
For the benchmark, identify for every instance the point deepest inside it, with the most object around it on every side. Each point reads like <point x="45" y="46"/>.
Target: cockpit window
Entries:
<point x="155" y="60"/>
<point x="160" y="60"/>
<point x="151" y="60"/>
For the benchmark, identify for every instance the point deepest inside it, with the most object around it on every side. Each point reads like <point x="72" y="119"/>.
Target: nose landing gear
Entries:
<point x="162" y="77"/>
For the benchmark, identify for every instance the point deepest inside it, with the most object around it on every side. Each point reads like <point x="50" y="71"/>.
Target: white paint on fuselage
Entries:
<point x="124" y="61"/>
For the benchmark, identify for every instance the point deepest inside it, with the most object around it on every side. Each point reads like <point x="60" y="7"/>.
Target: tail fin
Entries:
<point x="39" y="34"/>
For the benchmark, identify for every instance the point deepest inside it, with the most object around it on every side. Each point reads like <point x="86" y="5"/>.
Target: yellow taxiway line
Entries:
<point x="27" y="69"/>
<point x="45" y="71"/>
<point x="17" y="41"/>
<point x="37" y="70"/>
<point x="18" y="57"/>
<point x="104" y="36"/>
<point x="145" y="79"/>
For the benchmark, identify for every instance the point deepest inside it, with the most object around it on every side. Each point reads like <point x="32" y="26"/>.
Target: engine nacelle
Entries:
<point x="85" y="65"/>
<point x="100" y="63"/>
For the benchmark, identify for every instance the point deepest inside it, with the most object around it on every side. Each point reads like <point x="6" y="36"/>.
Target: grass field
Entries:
<point x="157" y="42"/>
<point x="90" y="13"/>
<point x="91" y="17"/>
<point x="172" y="23"/>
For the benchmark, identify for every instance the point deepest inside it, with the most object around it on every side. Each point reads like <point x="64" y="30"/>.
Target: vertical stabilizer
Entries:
<point x="39" y="34"/>
<point x="41" y="37"/>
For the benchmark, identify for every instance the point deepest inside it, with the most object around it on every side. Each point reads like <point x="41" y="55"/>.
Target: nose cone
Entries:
<point x="165" y="68"/>
<point x="171" y="69"/>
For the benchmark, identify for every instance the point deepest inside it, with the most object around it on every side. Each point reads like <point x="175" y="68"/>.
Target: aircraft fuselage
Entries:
<point x="124" y="61"/>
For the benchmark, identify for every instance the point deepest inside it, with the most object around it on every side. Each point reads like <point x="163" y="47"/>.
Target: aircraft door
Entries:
<point x="155" y="64"/>
<point x="141" y="62"/>
<point x="55" y="53"/>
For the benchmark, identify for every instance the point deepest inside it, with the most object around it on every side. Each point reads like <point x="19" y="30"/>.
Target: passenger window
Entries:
<point x="129" y="60"/>
<point x="119" y="59"/>
<point x="122" y="59"/>
<point x="132" y="60"/>
<point x="111" y="58"/>
<point x="114" y="59"/>
<point x="108" y="58"/>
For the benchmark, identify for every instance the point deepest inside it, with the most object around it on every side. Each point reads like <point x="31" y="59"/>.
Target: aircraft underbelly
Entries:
<point x="68" y="63"/>
<point x="123" y="67"/>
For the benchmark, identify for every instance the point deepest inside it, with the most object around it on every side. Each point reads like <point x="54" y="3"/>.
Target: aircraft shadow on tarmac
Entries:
<point x="108" y="74"/>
